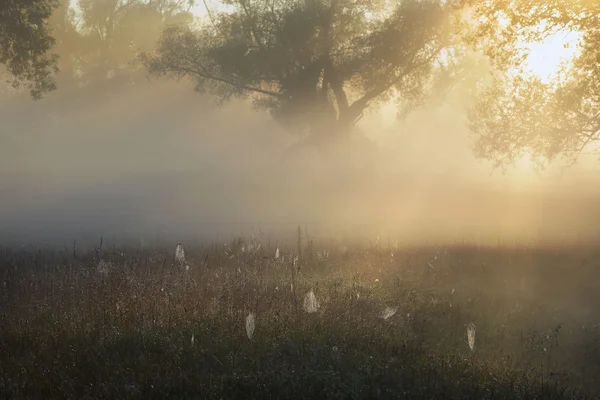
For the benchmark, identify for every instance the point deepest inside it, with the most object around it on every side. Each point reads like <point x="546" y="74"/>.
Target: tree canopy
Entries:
<point x="316" y="65"/>
<point x="116" y="30"/>
<point x="521" y="114"/>
<point x="96" y="41"/>
<point x="25" y="42"/>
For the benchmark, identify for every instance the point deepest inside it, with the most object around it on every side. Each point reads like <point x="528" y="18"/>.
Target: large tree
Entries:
<point x="316" y="65"/>
<point x="25" y="42"/>
<point x="521" y="114"/>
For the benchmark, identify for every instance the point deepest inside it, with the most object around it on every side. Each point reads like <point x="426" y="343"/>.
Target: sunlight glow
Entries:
<point x="546" y="57"/>
<point x="524" y="161"/>
<point x="215" y="6"/>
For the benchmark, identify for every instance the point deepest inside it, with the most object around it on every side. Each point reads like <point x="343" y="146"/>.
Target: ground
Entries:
<point x="143" y="324"/>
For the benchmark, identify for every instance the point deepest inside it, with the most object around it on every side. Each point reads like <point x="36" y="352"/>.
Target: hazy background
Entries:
<point x="132" y="158"/>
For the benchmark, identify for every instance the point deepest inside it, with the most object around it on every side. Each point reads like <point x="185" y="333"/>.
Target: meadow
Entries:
<point x="253" y="318"/>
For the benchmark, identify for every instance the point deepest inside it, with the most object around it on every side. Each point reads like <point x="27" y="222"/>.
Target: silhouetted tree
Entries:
<point x="316" y="65"/>
<point x="100" y="41"/>
<point x="520" y="113"/>
<point x="25" y="42"/>
<point x="115" y="31"/>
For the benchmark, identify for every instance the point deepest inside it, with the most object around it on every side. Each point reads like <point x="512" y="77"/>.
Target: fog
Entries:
<point x="155" y="160"/>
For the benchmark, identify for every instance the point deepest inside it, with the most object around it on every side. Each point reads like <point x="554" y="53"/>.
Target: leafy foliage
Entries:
<point x="96" y="41"/>
<point x="315" y="65"/>
<point x="24" y="44"/>
<point x="113" y="32"/>
<point x="520" y="114"/>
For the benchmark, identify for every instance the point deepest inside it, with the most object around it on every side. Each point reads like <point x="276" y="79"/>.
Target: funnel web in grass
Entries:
<point x="471" y="336"/>
<point x="103" y="268"/>
<point x="311" y="304"/>
<point x="180" y="254"/>
<point x="388" y="312"/>
<point x="250" y="325"/>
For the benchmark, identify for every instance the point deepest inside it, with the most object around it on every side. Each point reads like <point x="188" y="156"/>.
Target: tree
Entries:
<point x="24" y="44"/>
<point x="39" y="37"/>
<point x="520" y="114"/>
<point x="116" y="30"/>
<point x="316" y="65"/>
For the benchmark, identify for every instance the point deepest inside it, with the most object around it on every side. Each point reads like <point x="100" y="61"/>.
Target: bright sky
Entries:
<point x="546" y="57"/>
<point x="199" y="9"/>
<point x="545" y="60"/>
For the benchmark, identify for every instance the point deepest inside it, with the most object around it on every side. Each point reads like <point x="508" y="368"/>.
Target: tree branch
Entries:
<point x="203" y="73"/>
<point x="212" y="20"/>
<point x="252" y="25"/>
<point x="359" y="105"/>
<point x="336" y="86"/>
<point x="330" y="75"/>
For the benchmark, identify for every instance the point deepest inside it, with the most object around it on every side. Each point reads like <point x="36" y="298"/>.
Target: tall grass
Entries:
<point x="257" y="320"/>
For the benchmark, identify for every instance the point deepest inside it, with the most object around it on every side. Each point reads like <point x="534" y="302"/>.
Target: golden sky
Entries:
<point x="546" y="57"/>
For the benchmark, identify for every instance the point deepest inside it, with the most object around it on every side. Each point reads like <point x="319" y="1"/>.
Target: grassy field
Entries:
<point x="389" y="322"/>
